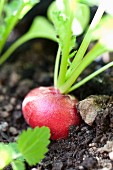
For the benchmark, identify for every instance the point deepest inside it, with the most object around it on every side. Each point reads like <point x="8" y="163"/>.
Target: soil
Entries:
<point x="88" y="147"/>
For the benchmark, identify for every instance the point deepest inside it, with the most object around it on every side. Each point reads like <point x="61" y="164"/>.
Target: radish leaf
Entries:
<point x="32" y="144"/>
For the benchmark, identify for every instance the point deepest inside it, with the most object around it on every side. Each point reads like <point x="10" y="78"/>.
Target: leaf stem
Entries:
<point x="57" y="62"/>
<point x="91" y="76"/>
<point x="64" y="58"/>
<point x="96" y="51"/>
<point x="13" y="47"/>
<point x="10" y="27"/>
<point x="87" y="39"/>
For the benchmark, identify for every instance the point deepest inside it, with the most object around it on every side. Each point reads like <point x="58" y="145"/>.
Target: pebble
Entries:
<point x="92" y="149"/>
<point x="13" y="131"/>
<point x="4" y="90"/>
<point x="18" y="107"/>
<point x="92" y="144"/>
<point x="111" y="155"/>
<point x="14" y="78"/>
<point x="106" y="148"/>
<point x="3" y="126"/>
<point x="8" y="107"/>
<point x="13" y="100"/>
<point x="4" y="114"/>
<point x="57" y="165"/>
<point x="81" y="167"/>
<point x="1" y="98"/>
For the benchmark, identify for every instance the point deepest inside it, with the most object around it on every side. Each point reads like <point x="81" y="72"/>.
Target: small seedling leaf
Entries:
<point x="33" y="144"/>
<point x="18" y="165"/>
<point x="79" y="24"/>
<point x="5" y="155"/>
<point x="42" y="28"/>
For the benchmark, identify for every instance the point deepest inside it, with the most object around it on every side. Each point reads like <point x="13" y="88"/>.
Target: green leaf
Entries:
<point x="81" y="24"/>
<point x="104" y="32"/>
<point x="103" y="27"/>
<point x="33" y="144"/>
<point x="18" y="165"/>
<point x="5" y="155"/>
<point x="42" y="28"/>
<point x="82" y="11"/>
<point x="12" y="8"/>
<point x="60" y="23"/>
<point x="90" y="2"/>
<point x="61" y="20"/>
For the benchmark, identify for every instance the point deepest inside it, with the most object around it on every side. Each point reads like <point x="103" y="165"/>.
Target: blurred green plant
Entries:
<point x="40" y="28"/>
<point x="81" y="11"/>
<point x="31" y="147"/>
<point x="10" y="14"/>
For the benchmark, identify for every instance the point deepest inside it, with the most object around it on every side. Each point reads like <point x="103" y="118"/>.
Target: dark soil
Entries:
<point x="87" y="147"/>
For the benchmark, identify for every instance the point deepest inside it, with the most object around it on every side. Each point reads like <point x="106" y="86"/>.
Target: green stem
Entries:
<point x="57" y="62"/>
<point x="97" y="50"/>
<point x="87" y="39"/>
<point x="13" y="47"/>
<point x="2" y="2"/>
<point x="65" y="54"/>
<point x="91" y="76"/>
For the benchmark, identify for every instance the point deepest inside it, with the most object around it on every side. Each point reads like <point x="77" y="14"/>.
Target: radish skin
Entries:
<point x="46" y="106"/>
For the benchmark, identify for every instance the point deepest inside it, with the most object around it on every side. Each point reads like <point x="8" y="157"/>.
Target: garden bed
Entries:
<point x="33" y="66"/>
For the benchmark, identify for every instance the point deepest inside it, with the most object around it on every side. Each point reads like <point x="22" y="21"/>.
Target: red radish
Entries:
<point x="46" y="106"/>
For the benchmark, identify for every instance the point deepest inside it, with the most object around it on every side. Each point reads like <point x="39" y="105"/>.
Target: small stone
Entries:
<point x="4" y="114"/>
<point x="14" y="78"/>
<point x="4" y="90"/>
<point x="1" y="98"/>
<point x="8" y="107"/>
<point x="111" y="155"/>
<point x="92" y="144"/>
<point x="90" y="107"/>
<point x="13" y="131"/>
<point x="94" y="148"/>
<point x="18" y="107"/>
<point x="106" y="148"/>
<point x="58" y="165"/>
<point x="81" y="167"/>
<point x="3" y="126"/>
<point x="13" y="100"/>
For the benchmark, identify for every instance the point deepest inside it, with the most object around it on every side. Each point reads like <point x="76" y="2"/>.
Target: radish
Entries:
<point x="46" y="106"/>
<point x="52" y="106"/>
